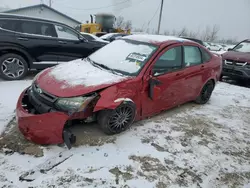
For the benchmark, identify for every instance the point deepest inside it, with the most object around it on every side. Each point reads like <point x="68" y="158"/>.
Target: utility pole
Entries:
<point x="50" y="3"/>
<point x="159" y="24"/>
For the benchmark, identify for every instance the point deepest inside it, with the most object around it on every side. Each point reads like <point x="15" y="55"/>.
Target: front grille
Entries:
<point x="43" y="96"/>
<point x="233" y="71"/>
<point x="235" y="63"/>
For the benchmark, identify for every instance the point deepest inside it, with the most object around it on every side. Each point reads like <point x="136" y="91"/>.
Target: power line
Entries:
<point x="130" y="6"/>
<point x="154" y="14"/>
<point x="113" y="5"/>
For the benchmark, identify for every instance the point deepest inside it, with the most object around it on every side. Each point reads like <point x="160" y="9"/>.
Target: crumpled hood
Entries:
<point x="237" y="56"/>
<point x="76" y="78"/>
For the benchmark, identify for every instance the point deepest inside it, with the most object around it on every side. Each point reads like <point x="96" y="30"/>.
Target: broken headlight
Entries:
<point x="74" y="104"/>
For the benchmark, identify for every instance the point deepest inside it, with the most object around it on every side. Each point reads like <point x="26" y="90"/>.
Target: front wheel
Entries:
<point x="206" y="93"/>
<point x="117" y="120"/>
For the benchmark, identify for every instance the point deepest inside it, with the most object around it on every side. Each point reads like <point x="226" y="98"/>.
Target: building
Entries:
<point x="45" y="12"/>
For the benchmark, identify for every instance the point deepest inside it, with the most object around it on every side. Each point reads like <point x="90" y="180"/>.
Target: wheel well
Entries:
<point x="212" y="81"/>
<point x="16" y="52"/>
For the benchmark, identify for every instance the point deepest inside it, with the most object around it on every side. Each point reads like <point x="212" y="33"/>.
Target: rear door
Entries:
<point x="40" y="41"/>
<point x="194" y="71"/>
<point x="71" y="47"/>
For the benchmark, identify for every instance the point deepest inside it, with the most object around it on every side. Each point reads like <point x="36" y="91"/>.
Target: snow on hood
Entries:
<point x="82" y="72"/>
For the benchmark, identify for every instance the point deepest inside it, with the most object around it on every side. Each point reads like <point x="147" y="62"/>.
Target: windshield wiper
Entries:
<point x="102" y="66"/>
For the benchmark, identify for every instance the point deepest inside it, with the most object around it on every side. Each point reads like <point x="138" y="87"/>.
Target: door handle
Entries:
<point x="23" y="39"/>
<point x="202" y="66"/>
<point x="62" y="42"/>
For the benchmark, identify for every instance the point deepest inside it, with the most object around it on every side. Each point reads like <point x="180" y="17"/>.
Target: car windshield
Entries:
<point x="242" y="47"/>
<point x="123" y="56"/>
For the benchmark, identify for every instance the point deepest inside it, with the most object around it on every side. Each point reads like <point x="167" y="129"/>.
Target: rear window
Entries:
<point x="36" y="28"/>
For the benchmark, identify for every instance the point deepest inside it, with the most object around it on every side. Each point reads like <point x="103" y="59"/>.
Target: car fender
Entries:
<point x="112" y="97"/>
<point x="18" y="49"/>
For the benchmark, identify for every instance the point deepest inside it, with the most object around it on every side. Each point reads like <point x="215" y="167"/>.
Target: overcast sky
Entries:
<point x="233" y="16"/>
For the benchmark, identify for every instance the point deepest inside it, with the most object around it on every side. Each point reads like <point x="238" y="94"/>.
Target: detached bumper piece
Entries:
<point x="40" y="123"/>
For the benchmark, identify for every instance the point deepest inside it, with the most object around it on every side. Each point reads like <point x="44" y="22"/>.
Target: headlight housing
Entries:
<point x="74" y="104"/>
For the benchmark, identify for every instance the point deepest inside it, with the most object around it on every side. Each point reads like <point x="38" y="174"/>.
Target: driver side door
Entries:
<point x="169" y="73"/>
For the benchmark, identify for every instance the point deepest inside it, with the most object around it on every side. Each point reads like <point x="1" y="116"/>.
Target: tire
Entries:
<point x="15" y="62"/>
<point x="221" y="78"/>
<point x="109" y="119"/>
<point x="206" y="93"/>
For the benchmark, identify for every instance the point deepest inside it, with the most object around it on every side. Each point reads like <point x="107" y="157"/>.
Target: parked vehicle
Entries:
<point x="113" y="36"/>
<point x="129" y="79"/>
<point x="236" y="62"/>
<point x="92" y="37"/>
<point x="31" y="43"/>
<point x="213" y="47"/>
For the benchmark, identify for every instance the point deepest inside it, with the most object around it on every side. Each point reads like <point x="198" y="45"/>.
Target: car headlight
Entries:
<point x="74" y="104"/>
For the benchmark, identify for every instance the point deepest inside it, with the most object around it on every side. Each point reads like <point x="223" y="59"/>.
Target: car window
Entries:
<point x="88" y="37"/>
<point x="192" y="56"/>
<point x="205" y="55"/>
<point x="35" y="28"/>
<point x="66" y="33"/>
<point x="170" y="61"/>
<point x="7" y="24"/>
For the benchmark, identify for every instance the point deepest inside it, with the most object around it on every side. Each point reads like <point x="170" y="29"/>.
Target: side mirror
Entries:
<point x="229" y="49"/>
<point x="152" y="89"/>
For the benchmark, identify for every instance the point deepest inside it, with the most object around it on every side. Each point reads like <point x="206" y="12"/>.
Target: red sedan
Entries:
<point x="127" y="80"/>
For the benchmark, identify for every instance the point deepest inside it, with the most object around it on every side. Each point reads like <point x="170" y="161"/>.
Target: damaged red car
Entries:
<point x="127" y="80"/>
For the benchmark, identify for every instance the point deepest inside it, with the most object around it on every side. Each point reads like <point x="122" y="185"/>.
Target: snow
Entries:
<point x="82" y="72"/>
<point x="95" y="37"/>
<point x="115" y="54"/>
<point x="153" y="38"/>
<point x="106" y="36"/>
<point x="10" y="92"/>
<point x="191" y="146"/>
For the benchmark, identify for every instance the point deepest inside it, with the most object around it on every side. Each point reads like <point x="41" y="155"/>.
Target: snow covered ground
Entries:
<point x="190" y="146"/>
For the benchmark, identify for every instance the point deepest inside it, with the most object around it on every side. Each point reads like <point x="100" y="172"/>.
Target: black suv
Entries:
<point x="31" y="43"/>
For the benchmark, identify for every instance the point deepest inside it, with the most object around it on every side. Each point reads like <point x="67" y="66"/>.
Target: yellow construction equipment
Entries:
<point x="104" y="23"/>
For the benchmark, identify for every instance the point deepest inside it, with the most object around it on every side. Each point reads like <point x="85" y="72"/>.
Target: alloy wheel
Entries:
<point x="121" y="119"/>
<point x="13" y="67"/>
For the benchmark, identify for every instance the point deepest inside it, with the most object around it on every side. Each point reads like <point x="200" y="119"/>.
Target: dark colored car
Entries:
<point x="117" y="87"/>
<point x="113" y="36"/>
<point x="31" y="43"/>
<point x="236" y="62"/>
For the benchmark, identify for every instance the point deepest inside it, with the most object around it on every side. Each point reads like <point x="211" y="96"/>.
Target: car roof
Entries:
<point x="156" y="39"/>
<point x="17" y="16"/>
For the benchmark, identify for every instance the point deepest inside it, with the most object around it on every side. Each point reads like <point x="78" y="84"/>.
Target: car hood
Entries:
<point x="237" y="56"/>
<point x="76" y="78"/>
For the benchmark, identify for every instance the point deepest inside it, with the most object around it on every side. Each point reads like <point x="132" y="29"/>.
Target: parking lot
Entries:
<point x="191" y="145"/>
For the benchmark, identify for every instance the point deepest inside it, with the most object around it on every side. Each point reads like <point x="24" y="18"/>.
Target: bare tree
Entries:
<point x="127" y="25"/>
<point x="119" y="22"/>
<point x="183" y="32"/>
<point x="214" y="33"/>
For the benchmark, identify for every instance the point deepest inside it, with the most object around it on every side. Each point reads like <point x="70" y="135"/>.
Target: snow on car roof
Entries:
<point x="154" y="38"/>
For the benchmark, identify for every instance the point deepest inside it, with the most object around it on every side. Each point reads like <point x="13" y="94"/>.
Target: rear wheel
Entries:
<point x="13" y="67"/>
<point x="117" y="120"/>
<point x="206" y="93"/>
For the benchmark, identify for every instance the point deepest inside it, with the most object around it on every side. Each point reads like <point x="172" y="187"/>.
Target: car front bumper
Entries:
<point x="44" y="128"/>
<point x="236" y="72"/>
